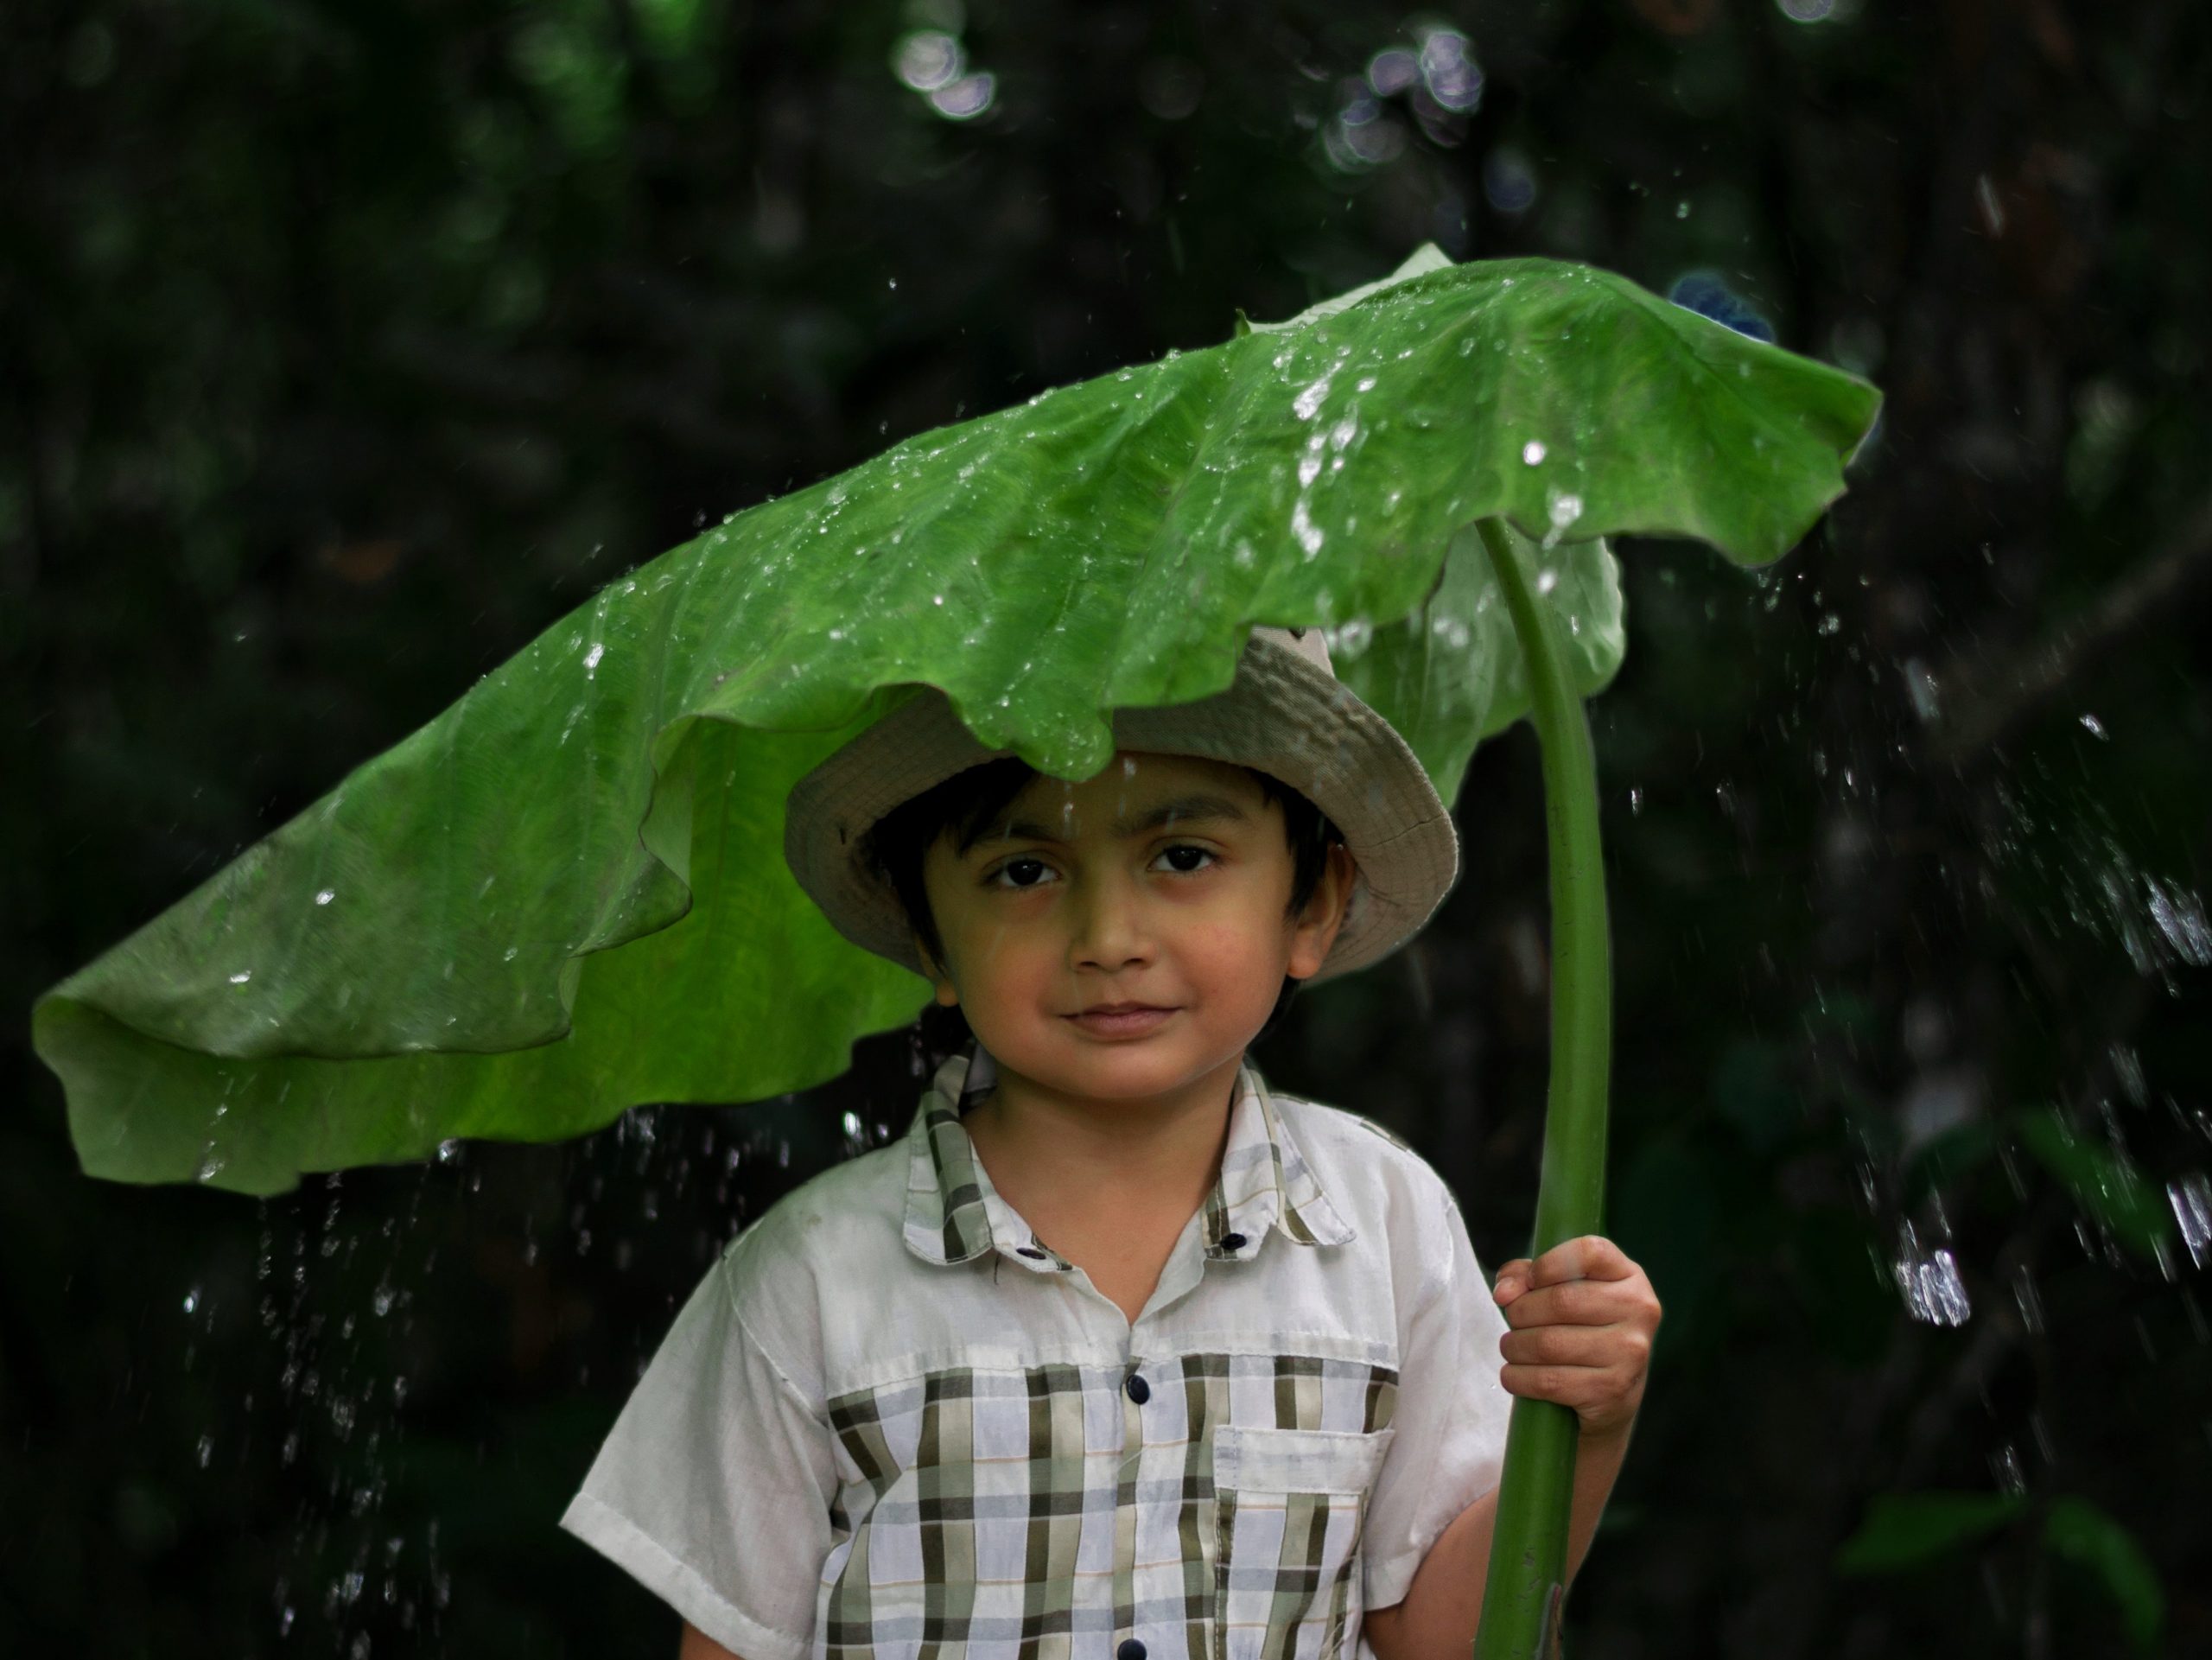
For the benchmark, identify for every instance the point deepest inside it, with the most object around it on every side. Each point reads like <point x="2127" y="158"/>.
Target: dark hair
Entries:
<point x="964" y="806"/>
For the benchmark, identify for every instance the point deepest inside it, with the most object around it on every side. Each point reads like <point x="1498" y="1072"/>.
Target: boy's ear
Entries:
<point x="1323" y="917"/>
<point x="946" y="993"/>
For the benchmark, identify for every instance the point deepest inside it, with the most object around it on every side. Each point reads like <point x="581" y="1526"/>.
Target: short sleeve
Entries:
<point x="1449" y="1418"/>
<point x="714" y="1488"/>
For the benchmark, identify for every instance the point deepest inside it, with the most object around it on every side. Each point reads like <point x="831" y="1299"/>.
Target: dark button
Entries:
<point x="1232" y="1241"/>
<point x="1140" y="1391"/>
<point x="1130" y="1650"/>
<point x="1029" y="1250"/>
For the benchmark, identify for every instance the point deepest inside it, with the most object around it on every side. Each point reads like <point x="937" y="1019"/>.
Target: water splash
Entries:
<point x="1564" y="508"/>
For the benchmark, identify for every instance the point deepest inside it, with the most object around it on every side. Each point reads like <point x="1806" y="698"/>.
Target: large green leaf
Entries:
<point x="566" y="895"/>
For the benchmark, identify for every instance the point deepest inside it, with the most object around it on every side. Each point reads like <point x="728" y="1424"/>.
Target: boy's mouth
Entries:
<point x="1120" y="1020"/>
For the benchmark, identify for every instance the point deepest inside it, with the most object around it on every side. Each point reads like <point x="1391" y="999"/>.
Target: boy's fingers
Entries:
<point x="1576" y="1302"/>
<point x="1597" y="1346"/>
<point x="1569" y="1386"/>
<point x="1589" y="1256"/>
<point x="1512" y="1279"/>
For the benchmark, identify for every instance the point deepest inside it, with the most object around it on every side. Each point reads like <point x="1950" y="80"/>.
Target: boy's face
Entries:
<point x="1163" y="885"/>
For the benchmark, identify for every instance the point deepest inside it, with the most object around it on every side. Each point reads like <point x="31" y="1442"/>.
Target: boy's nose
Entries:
<point x="1110" y="931"/>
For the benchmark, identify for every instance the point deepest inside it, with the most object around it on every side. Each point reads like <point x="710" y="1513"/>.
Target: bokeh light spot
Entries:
<point x="1169" y="87"/>
<point x="1392" y="70"/>
<point x="1704" y="293"/>
<point x="928" y="59"/>
<point x="1509" y="183"/>
<point x="966" y="98"/>
<point x="1451" y="76"/>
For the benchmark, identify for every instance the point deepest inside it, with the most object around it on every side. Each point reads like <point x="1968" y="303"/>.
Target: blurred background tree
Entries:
<point x="343" y="347"/>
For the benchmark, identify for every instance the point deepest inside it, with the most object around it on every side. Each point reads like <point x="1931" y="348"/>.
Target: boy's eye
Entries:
<point x="1183" y="858"/>
<point x="1020" y="872"/>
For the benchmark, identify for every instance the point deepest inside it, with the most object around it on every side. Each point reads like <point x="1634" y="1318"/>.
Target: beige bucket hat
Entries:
<point x="1285" y="714"/>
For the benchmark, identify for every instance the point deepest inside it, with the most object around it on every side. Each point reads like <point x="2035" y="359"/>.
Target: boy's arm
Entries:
<point x="1437" y="1619"/>
<point x="697" y="1645"/>
<point x="1581" y="1319"/>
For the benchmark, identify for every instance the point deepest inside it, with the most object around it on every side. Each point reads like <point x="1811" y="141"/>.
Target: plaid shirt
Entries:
<point x="892" y="1421"/>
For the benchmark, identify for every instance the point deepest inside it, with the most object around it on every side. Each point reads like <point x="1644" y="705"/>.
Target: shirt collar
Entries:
<point x="954" y="1214"/>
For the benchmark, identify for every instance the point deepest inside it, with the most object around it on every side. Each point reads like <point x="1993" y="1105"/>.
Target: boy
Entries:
<point x="1120" y="1355"/>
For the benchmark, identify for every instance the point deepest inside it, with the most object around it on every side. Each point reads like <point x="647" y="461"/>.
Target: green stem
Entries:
<point x="1528" y="1555"/>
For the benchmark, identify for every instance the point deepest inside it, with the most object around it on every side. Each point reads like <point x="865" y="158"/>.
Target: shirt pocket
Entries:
<point x="1292" y="1507"/>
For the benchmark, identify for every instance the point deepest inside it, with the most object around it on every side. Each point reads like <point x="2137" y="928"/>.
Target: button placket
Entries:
<point x="1134" y="1392"/>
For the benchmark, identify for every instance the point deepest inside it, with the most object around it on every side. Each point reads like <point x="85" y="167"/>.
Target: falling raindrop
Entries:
<point x="1564" y="509"/>
<point x="2180" y="918"/>
<point x="1920" y="682"/>
<point x="2093" y="726"/>
<point x="2191" y="1198"/>
<point x="2005" y="1465"/>
<point x="325" y="896"/>
<point x="1533" y="451"/>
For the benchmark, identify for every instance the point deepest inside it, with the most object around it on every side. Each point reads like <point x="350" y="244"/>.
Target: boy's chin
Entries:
<point x="1127" y="1069"/>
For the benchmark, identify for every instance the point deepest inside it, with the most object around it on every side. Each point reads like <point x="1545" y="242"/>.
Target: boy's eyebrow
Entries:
<point x="1166" y="813"/>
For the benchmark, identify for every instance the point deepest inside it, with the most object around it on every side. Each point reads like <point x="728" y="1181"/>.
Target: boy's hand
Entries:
<point x="1583" y="1318"/>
